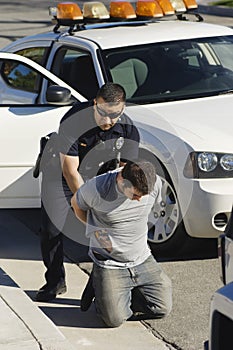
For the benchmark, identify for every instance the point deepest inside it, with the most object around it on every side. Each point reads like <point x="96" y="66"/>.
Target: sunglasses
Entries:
<point x="103" y="113"/>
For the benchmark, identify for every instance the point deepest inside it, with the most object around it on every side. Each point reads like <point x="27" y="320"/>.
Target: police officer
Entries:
<point x="93" y="137"/>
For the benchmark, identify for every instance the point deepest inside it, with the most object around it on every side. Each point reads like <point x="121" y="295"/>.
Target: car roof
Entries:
<point x="159" y="31"/>
<point x="113" y="35"/>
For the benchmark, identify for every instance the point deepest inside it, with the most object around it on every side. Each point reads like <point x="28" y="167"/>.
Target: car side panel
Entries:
<point x="19" y="149"/>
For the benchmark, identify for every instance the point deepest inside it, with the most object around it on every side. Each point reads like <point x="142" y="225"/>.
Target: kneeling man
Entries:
<point x="127" y="280"/>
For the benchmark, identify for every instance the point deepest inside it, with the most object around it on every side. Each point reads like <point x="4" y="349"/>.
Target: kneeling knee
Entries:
<point x="113" y="321"/>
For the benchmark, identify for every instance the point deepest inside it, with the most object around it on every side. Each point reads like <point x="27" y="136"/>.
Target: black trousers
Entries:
<point x="58" y="220"/>
<point x="51" y="250"/>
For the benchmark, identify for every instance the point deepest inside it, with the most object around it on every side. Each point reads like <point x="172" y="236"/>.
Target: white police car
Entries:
<point x="221" y="309"/>
<point x="178" y="76"/>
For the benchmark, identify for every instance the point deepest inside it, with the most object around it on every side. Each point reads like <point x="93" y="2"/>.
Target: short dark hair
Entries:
<point x="111" y="93"/>
<point x="141" y="175"/>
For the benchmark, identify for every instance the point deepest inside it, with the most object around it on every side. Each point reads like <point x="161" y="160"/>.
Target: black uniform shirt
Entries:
<point x="79" y="135"/>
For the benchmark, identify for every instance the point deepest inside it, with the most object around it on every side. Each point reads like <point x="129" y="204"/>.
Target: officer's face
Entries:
<point x="106" y="115"/>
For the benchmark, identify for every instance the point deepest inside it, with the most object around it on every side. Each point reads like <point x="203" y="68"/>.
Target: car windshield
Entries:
<point x="170" y="71"/>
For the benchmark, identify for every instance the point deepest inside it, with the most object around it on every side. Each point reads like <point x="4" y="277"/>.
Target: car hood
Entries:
<point x="204" y="124"/>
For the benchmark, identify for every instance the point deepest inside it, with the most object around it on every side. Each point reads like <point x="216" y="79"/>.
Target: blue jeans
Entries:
<point x="144" y="290"/>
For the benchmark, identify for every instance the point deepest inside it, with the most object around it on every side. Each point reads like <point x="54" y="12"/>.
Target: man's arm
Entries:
<point x="130" y="149"/>
<point x="70" y="165"/>
<point x="80" y="214"/>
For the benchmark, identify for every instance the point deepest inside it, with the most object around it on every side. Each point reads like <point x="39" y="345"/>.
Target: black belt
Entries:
<point x="99" y="256"/>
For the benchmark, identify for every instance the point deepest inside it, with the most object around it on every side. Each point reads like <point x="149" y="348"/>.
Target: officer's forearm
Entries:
<point x="74" y="181"/>
<point x="70" y="165"/>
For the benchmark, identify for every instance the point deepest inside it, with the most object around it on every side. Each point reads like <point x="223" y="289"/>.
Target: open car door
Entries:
<point x="25" y="116"/>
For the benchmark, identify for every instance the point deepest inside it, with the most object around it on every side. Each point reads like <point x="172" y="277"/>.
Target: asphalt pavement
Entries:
<point x="205" y="7"/>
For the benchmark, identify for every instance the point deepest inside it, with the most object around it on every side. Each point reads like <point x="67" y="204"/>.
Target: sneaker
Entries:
<point x="46" y="293"/>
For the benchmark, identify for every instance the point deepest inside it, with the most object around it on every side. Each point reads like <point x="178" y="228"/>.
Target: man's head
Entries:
<point x="109" y="105"/>
<point x="137" y="179"/>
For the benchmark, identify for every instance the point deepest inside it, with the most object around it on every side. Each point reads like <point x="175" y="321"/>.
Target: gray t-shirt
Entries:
<point x="116" y="225"/>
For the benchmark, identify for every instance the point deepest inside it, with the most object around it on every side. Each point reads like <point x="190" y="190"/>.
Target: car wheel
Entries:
<point x="164" y="216"/>
<point x="166" y="232"/>
<point x="165" y="229"/>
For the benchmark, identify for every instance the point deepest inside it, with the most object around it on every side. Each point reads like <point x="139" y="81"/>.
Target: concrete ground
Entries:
<point x="58" y="325"/>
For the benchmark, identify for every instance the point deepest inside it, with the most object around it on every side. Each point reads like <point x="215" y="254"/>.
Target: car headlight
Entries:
<point x="207" y="161"/>
<point x="226" y="162"/>
<point x="209" y="165"/>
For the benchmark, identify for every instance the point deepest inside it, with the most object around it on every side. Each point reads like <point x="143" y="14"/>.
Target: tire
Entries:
<point x="166" y="232"/>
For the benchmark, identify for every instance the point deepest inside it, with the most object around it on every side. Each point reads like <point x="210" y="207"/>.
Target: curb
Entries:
<point x="26" y="326"/>
<point x="215" y="10"/>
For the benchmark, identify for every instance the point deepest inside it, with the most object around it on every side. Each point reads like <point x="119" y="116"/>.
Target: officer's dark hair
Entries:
<point x="111" y="92"/>
<point x="141" y="175"/>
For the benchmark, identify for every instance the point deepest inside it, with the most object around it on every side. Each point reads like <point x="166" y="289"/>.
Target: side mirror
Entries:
<point x="59" y="95"/>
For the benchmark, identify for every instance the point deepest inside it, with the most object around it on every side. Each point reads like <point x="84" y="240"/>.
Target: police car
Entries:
<point x="221" y="307"/>
<point x="178" y="75"/>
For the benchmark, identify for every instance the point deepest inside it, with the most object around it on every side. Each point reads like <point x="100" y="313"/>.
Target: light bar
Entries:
<point x="69" y="10"/>
<point x="121" y="10"/>
<point x="69" y="13"/>
<point x="148" y="9"/>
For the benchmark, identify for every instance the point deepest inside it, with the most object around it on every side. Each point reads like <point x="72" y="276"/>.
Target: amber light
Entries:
<point x="122" y="9"/>
<point x="148" y="9"/>
<point x="166" y="6"/>
<point x="68" y="10"/>
<point x="190" y="4"/>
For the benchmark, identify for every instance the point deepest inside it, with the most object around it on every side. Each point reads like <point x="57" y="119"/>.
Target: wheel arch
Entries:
<point x="160" y="167"/>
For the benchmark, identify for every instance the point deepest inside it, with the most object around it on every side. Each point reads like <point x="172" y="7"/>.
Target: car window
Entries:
<point x="224" y="52"/>
<point x="19" y="76"/>
<point x="175" y="70"/>
<point x="37" y="54"/>
<point x="76" y="68"/>
<point x="19" y="83"/>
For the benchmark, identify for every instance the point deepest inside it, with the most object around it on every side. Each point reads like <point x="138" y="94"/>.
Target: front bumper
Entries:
<point x="209" y="207"/>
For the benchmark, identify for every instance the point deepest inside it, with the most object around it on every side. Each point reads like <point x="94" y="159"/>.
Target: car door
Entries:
<point x="25" y="117"/>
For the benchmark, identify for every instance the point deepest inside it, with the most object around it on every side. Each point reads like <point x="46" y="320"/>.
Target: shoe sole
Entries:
<point x="61" y="291"/>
